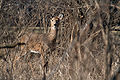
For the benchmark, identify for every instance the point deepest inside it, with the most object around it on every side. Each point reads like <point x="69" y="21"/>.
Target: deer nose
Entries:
<point x="57" y="22"/>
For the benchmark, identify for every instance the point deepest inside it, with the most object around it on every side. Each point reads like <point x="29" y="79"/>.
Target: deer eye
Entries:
<point x="52" y="19"/>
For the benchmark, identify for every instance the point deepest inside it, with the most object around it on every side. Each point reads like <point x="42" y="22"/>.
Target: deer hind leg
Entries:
<point x="18" y="56"/>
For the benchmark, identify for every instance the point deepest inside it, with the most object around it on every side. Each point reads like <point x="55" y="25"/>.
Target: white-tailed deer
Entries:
<point x="39" y="43"/>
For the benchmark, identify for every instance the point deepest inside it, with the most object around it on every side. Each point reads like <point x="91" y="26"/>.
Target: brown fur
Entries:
<point x="39" y="42"/>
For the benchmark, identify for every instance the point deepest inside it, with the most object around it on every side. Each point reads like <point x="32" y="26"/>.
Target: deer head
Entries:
<point x="54" y="24"/>
<point x="55" y="20"/>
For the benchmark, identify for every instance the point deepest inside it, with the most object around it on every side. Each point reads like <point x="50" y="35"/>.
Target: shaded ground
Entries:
<point x="87" y="44"/>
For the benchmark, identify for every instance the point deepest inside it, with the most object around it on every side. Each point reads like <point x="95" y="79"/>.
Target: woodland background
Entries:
<point x="88" y="39"/>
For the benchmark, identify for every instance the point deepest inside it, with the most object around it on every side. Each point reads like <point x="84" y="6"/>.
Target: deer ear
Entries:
<point x="60" y="16"/>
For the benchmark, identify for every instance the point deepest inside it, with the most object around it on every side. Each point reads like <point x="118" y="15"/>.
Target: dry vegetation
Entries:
<point x="87" y="46"/>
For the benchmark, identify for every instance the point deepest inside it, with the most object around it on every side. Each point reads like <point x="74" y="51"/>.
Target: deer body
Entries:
<point x="39" y="43"/>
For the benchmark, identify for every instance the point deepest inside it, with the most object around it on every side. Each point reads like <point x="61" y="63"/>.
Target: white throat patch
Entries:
<point x="53" y="27"/>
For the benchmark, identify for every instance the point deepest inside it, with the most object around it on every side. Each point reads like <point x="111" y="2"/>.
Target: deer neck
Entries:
<point x="52" y="33"/>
